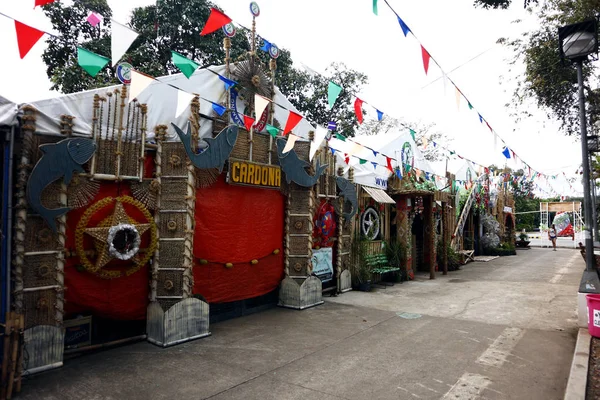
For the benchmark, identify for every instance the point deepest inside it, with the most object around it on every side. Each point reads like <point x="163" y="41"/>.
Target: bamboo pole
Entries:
<point x="161" y="132"/>
<point x="8" y="327"/>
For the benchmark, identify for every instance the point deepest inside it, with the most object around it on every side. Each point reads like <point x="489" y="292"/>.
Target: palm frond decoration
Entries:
<point x="81" y="191"/>
<point x="252" y="79"/>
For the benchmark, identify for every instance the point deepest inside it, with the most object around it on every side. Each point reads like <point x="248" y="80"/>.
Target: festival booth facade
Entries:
<point x="471" y="200"/>
<point x="134" y="223"/>
<point x="503" y="209"/>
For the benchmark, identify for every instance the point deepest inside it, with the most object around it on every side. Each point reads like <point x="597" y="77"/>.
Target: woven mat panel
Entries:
<point x="51" y="195"/>
<point x="345" y="261"/>
<point x="218" y="125"/>
<point x="168" y="303"/>
<point x="321" y="185"/>
<point x="170" y="283"/>
<point x="172" y="225"/>
<point x="299" y="266"/>
<point x="346" y="245"/>
<point x="332" y="186"/>
<point x="302" y="150"/>
<point x="174" y="159"/>
<point x="172" y="194"/>
<point x="347" y="228"/>
<point x="260" y="149"/>
<point x="300" y="201"/>
<point x="130" y="162"/>
<point x="38" y="236"/>
<point x="171" y="253"/>
<point x="242" y="147"/>
<point x="39" y="270"/>
<point x="106" y="159"/>
<point x="299" y="245"/>
<point x="300" y="225"/>
<point x="39" y="308"/>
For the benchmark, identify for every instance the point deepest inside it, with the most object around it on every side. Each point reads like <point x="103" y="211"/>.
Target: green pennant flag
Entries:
<point x="333" y="91"/>
<point x="413" y="133"/>
<point x="470" y="106"/>
<point x="375" y="7"/>
<point x="272" y="130"/>
<point x="452" y="153"/>
<point x="92" y="63"/>
<point x="362" y="161"/>
<point x="185" y="65"/>
<point x="340" y="137"/>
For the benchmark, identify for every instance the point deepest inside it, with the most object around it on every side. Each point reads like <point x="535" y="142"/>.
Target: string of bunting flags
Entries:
<point x="122" y="37"/>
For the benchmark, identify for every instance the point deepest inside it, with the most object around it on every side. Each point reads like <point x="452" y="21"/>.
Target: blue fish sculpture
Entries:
<point x="294" y="167"/>
<point x="59" y="160"/>
<point x="217" y="151"/>
<point x="348" y="192"/>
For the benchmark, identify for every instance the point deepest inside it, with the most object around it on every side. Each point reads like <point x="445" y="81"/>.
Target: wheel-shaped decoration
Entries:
<point x="117" y="236"/>
<point x="370" y="223"/>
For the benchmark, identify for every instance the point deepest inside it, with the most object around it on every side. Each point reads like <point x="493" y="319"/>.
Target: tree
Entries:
<point x="502" y="4"/>
<point x="424" y="133"/>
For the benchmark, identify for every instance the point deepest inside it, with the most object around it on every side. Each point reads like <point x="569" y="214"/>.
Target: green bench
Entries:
<point x="379" y="266"/>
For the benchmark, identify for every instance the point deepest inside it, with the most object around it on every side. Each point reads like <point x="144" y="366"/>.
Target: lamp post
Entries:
<point x="577" y="41"/>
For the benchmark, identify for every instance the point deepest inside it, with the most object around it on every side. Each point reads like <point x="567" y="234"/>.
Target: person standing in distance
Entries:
<point x="552" y="236"/>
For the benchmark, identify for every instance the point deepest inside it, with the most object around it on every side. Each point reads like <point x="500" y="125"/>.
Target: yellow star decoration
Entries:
<point x="101" y="234"/>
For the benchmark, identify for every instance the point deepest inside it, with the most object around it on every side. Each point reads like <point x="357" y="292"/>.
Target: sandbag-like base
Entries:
<point x="184" y="321"/>
<point x="300" y="297"/>
<point x="45" y="346"/>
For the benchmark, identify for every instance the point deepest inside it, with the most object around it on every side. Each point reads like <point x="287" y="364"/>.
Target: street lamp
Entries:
<point x="577" y="41"/>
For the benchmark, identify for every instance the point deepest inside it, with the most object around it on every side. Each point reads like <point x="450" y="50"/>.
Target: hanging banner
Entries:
<point x="237" y="118"/>
<point x="252" y="174"/>
<point x="322" y="261"/>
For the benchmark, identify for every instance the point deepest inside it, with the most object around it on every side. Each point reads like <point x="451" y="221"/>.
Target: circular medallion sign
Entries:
<point x="254" y="9"/>
<point x="273" y="51"/>
<point x="369" y="223"/>
<point x="124" y="72"/>
<point x="229" y="30"/>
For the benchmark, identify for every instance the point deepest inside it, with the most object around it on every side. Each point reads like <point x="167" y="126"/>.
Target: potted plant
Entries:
<point x="361" y="274"/>
<point x="523" y="242"/>
<point x="396" y="254"/>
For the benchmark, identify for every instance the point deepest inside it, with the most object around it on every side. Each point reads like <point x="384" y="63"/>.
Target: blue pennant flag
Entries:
<point x="427" y="177"/>
<point x="375" y="153"/>
<point x="228" y="82"/>
<point x="332" y="151"/>
<point x="434" y="144"/>
<point x="506" y="152"/>
<point x="374" y="164"/>
<point x="379" y="115"/>
<point x="404" y="27"/>
<point x="266" y="45"/>
<point x="398" y="173"/>
<point x="332" y="126"/>
<point x="480" y="118"/>
<point x="219" y="109"/>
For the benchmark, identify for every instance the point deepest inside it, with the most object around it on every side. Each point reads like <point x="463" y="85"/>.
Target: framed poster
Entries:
<point x="322" y="261"/>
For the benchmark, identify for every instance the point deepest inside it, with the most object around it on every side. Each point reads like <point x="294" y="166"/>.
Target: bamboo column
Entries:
<point x="161" y="133"/>
<point x="272" y="68"/>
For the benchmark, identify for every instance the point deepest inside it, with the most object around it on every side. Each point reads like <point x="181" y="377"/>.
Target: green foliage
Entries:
<point x="396" y="253"/>
<point x="359" y="269"/>
<point x="499" y="4"/>
<point x="523" y="236"/>
<point x="453" y="256"/>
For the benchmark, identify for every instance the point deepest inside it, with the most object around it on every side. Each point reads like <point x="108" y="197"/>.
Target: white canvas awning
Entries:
<point x="379" y="195"/>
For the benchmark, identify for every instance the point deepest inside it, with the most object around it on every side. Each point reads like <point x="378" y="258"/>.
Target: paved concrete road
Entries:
<point x="498" y="330"/>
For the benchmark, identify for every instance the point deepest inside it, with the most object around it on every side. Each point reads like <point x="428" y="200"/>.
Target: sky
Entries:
<point x="320" y="32"/>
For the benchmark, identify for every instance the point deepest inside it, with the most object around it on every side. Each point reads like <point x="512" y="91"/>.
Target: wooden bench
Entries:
<point x="379" y="266"/>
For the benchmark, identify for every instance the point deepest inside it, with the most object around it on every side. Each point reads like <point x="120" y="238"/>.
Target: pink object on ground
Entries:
<point x="593" y="303"/>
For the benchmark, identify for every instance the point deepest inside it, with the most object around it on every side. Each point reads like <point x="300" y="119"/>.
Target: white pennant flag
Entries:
<point x="290" y="143"/>
<point x="139" y="82"/>
<point x="425" y="143"/>
<point x="320" y="135"/>
<point x="260" y="104"/>
<point x="121" y="39"/>
<point x="183" y="102"/>
<point x="355" y="149"/>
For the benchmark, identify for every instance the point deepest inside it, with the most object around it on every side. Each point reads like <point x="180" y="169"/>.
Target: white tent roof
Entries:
<point x="463" y="173"/>
<point x="162" y="102"/>
<point x="8" y="112"/>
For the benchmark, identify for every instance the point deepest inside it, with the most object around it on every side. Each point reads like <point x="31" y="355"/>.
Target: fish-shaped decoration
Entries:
<point x="59" y="160"/>
<point x="217" y="151"/>
<point x="348" y="192"/>
<point x="294" y="167"/>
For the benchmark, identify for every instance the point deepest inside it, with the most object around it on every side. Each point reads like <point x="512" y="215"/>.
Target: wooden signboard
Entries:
<point x="252" y="174"/>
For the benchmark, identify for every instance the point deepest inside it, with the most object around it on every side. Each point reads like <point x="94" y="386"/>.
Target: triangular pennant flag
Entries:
<point x="470" y="105"/>
<point x="514" y="155"/>
<point x="219" y="109"/>
<point x="375" y="7"/>
<point x="346" y="158"/>
<point x="405" y="28"/>
<point x="333" y="91"/>
<point x="185" y="65"/>
<point x="399" y="173"/>
<point x="332" y="151"/>
<point x="413" y="133"/>
<point x="228" y="82"/>
<point x="458" y="95"/>
<point x="355" y="149"/>
<point x="248" y="122"/>
<point x="358" y="110"/>
<point x="92" y="63"/>
<point x="488" y="125"/>
<point x="27" y="37"/>
<point x="93" y="18"/>
<point x="418" y="173"/>
<point x="289" y="145"/>
<point x="375" y="153"/>
<point x="374" y="164"/>
<point x="122" y="37"/>
<point x="260" y="104"/>
<point x="389" y="164"/>
<point x="266" y="45"/>
<point x="273" y="131"/>
<point x="291" y="123"/>
<point x="42" y="2"/>
<point x="480" y="118"/>
<point x="183" y="102"/>
<point x="341" y="137"/>
<point x="425" y="142"/>
<point x="318" y="138"/>
<point x="379" y="115"/>
<point x="426" y="58"/>
<point x="361" y="161"/>
<point x="139" y="82"/>
<point x="216" y="20"/>
<point x="506" y="152"/>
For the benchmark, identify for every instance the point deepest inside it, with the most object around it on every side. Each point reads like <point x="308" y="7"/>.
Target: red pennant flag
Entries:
<point x="358" y="110"/>
<point x="248" y="122"/>
<point x="42" y="2"/>
<point x="216" y="20"/>
<point x="488" y="125"/>
<point x="346" y="158"/>
<point x="292" y="121"/>
<point x="27" y="37"/>
<point x="426" y="58"/>
<point x="389" y="164"/>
